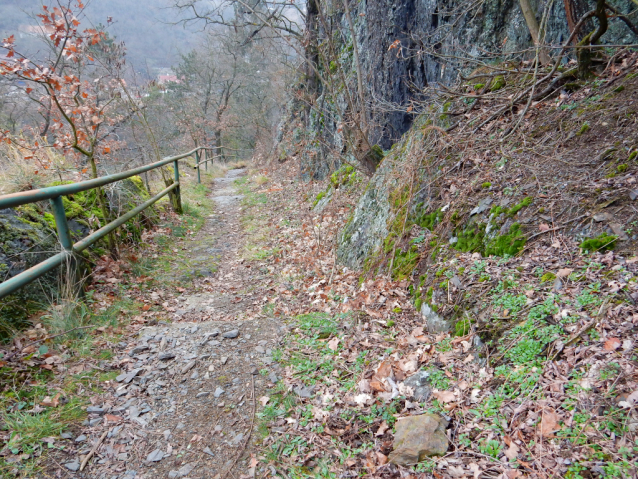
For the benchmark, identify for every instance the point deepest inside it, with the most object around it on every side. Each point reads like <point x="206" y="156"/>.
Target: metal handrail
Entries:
<point x="54" y="195"/>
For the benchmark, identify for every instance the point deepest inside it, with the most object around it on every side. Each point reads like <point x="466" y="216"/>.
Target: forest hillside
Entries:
<point x="381" y="238"/>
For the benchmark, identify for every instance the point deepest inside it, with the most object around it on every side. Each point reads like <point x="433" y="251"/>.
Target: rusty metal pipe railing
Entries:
<point x="55" y="193"/>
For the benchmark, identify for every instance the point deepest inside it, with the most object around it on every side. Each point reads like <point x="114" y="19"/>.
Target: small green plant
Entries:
<point x="583" y="129"/>
<point x="486" y="185"/>
<point x="438" y="379"/>
<point x="462" y="327"/>
<point x="610" y="371"/>
<point x="490" y="448"/>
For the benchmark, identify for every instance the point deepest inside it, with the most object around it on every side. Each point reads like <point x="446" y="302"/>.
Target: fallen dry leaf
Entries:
<point x="512" y="451"/>
<point x="564" y="272"/>
<point x="48" y="402"/>
<point x="444" y="396"/>
<point x="333" y="343"/>
<point x="549" y="423"/>
<point x="382" y="429"/>
<point x="113" y="418"/>
<point x="264" y="400"/>
<point x="612" y="344"/>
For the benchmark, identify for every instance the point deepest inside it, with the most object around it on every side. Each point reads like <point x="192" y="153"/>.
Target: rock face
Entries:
<point x="395" y="39"/>
<point x="418" y="437"/>
<point x="24" y="243"/>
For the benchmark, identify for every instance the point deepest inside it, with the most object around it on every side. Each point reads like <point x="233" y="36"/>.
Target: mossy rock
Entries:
<point x="25" y="240"/>
<point x="509" y="244"/>
<point x="498" y="83"/>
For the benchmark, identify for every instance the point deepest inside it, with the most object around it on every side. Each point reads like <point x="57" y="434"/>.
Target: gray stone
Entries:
<point x="304" y="392"/>
<point x="420" y="384"/>
<point x="599" y="217"/>
<point x="260" y="350"/>
<point x="188" y="367"/>
<point x="186" y="469"/>
<point x="483" y="205"/>
<point x="73" y="466"/>
<point x="633" y="194"/>
<point x="95" y="410"/>
<point x="203" y="394"/>
<point x="231" y="334"/>
<point x="434" y="322"/>
<point x="139" y="349"/>
<point x="166" y="356"/>
<point x="218" y="392"/>
<point x="155" y="456"/>
<point x="128" y="377"/>
<point x="418" y="437"/>
<point x="238" y="438"/>
<point x="272" y="377"/>
<point x="80" y="438"/>
<point x="619" y="231"/>
<point x="456" y="282"/>
<point x="208" y="451"/>
<point x="66" y="435"/>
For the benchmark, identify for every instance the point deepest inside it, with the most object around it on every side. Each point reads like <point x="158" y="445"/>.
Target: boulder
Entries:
<point x="418" y="437"/>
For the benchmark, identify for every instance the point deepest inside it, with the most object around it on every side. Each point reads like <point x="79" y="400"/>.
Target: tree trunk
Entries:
<point x="586" y="55"/>
<point x="532" y="24"/>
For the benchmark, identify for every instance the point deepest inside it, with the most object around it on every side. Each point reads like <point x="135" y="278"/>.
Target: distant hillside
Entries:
<point x="143" y="26"/>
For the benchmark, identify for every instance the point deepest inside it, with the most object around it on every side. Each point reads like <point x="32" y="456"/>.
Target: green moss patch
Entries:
<point x="510" y="244"/>
<point x="602" y="243"/>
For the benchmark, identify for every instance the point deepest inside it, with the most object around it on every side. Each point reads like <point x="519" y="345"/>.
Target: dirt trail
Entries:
<point x="187" y="390"/>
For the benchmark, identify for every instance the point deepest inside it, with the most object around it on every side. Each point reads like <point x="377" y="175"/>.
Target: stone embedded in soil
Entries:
<point x="73" y="466"/>
<point x="218" y="392"/>
<point x="435" y="323"/>
<point x="231" y="334"/>
<point x="188" y="367"/>
<point x="155" y="456"/>
<point x="203" y="394"/>
<point x="166" y="356"/>
<point x="418" y="437"/>
<point x="304" y="392"/>
<point x="80" y="438"/>
<point x="419" y="382"/>
<point x="95" y="410"/>
<point x="138" y="350"/>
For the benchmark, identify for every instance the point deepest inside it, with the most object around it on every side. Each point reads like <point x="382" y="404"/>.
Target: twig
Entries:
<point x="250" y="432"/>
<point x="585" y="328"/>
<point x="46" y="339"/>
<point x="92" y="451"/>
<point x="557" y="228"/>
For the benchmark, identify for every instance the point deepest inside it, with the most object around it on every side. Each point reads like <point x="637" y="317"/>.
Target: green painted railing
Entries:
<point x="55" y="193"/>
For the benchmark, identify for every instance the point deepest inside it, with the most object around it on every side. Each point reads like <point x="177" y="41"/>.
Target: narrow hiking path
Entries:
<point x="183" y="404"/>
